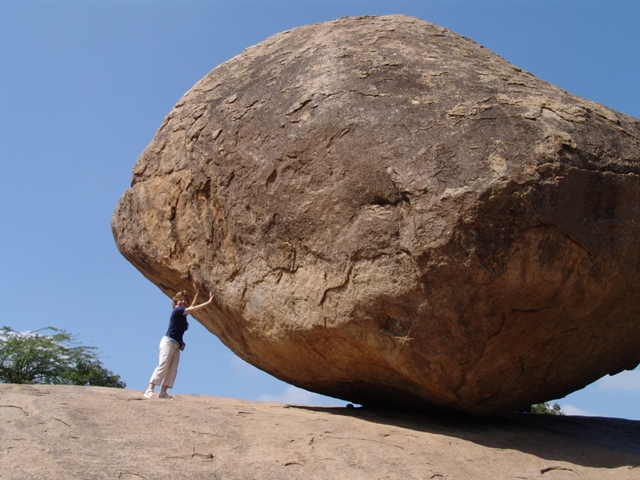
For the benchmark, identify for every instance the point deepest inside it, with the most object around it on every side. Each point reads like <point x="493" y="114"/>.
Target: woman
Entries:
<point x="172" y="343"/>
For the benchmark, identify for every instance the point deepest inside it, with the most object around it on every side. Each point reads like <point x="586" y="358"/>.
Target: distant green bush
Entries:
<point x="51" y="358"/>
<point x="546" y="408"/>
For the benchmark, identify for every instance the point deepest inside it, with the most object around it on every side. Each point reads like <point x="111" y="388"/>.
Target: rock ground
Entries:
<point x="58" y="432"/>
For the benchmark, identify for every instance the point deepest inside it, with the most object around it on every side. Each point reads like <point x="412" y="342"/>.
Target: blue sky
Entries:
<point x="85" y="84"/>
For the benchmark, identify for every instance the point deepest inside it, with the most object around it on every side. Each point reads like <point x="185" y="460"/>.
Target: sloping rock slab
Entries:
<point x="390" y="214"/>
<point x="102" y="433"/>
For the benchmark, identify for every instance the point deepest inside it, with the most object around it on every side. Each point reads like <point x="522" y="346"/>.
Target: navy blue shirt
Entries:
<point x="177" y="324"/>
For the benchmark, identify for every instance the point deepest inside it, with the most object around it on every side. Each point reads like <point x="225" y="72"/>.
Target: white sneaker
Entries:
<point x="149" y="394"/>
<point x="165" y="396"/>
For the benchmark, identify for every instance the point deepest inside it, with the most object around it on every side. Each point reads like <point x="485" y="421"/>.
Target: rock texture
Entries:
<point x="389" y="213"/>
<point x="70" y="432"/>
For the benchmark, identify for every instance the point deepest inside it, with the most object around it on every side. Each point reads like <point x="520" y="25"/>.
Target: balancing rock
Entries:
<point x="390" y="214"/>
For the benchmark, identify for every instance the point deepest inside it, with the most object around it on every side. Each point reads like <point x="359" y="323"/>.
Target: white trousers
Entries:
<point x="167" y="369"/>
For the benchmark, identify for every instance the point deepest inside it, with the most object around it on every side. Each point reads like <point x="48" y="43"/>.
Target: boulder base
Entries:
<point x="390" y="214"/>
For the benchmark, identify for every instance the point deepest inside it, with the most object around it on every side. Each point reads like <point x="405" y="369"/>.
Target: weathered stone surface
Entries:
<point x="389" y="213"/>
<point x="73" y="432"/>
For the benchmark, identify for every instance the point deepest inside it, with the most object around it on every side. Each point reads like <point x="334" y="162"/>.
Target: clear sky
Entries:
<point x="84" y="84"/>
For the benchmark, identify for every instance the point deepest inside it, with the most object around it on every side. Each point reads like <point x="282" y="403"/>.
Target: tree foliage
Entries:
<point x="547" y="408"/>
<point x="51" y="356"/>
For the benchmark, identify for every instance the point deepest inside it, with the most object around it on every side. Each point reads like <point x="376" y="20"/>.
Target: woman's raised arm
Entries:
<point x="195" y="308"/>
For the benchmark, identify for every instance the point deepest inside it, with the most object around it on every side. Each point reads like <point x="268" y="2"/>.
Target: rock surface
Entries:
<point x="390" y="214"/>
<point x="60" y="432"/>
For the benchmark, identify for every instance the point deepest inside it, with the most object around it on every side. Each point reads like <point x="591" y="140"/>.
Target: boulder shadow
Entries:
<point x="588" y="441"/>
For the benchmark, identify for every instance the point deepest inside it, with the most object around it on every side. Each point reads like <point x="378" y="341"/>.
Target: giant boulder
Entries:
<point x="390" y="214"/>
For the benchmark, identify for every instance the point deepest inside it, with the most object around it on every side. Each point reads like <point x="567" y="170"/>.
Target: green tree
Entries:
<point x="547" y="408"/>
<point x="51" y="356"/>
